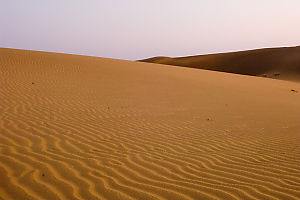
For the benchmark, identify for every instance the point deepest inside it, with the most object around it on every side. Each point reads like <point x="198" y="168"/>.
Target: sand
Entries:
<point x="276" y="63"/>
<point x="78" y="127"/>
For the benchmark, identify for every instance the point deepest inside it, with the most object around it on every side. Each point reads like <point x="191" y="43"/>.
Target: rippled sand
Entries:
<point x="76" y="127"/>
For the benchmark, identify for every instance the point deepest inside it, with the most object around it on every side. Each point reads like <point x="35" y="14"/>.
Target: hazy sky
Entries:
<point x="133" y="29"/>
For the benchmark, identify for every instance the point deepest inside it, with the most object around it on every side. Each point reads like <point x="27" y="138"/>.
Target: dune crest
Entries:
<point x="277" y="63"/>
<point x="78" y="127"/>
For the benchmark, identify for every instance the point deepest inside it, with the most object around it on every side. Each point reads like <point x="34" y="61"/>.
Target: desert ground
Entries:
<point x="78" y="127"/>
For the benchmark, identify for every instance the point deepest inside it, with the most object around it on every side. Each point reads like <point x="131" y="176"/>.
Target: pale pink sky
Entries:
<point x="134" y="29"/>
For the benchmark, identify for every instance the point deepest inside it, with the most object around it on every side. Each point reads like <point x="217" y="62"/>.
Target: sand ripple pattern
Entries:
<point x="75" y="127"/>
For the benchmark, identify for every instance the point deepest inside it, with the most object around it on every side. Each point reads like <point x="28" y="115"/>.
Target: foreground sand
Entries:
<point x="75" y="127"/>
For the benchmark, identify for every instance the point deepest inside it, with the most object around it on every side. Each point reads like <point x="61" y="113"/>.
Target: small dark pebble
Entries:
<point x="43" y="174"/>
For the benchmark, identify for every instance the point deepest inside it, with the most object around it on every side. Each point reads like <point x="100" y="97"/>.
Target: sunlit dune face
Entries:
<point x="76" y="127"/>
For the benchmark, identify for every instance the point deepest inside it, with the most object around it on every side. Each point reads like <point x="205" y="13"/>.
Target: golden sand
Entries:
<point x="78" y="127"/>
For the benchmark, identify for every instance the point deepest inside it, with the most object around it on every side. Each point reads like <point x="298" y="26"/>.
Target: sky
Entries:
<point x="136" y="29"/>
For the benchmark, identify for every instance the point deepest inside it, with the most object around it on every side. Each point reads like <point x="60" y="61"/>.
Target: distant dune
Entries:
<point x="79" y="127"/>
<point x="278" y="63"/>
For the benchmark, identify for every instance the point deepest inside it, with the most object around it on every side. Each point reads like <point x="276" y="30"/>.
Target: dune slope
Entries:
<point x="277" y="63"/>
<point x="76" y="127"/>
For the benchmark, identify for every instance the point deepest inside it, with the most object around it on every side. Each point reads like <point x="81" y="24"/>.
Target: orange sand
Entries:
<point x="77" y="127"/>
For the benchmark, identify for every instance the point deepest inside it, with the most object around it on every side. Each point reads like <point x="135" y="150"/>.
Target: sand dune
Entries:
<point x="77" y="127"/>
<point x="276" y="63"/>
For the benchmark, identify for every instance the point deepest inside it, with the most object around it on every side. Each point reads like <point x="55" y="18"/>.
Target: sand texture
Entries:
<point x="77" y="127"/>
<point x="276" y="63"/>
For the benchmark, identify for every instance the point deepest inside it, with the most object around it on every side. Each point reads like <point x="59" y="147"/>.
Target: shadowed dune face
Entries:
<point x="278" y="63"/>
<point x="76" y="127"/>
